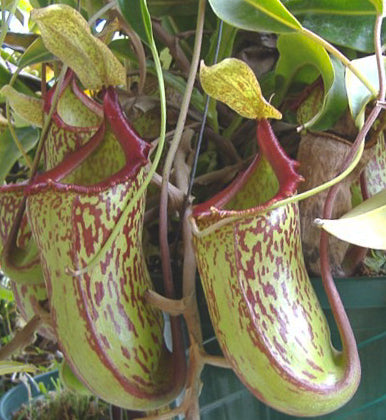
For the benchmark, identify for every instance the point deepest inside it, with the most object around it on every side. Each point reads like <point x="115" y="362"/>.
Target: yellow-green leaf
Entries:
<point x="8" y="367"/>
<point x="365" y="225"/>
<point x="276" y="10"/>
<point x="379" y="6"/>
<point x="66" y="34"/>
<point x="26" y="107"/>
<point x="233" y="82"/>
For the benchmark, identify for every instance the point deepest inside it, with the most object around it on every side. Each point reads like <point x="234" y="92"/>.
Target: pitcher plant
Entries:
<point x="80" y="207"/>
<point x="110" y="336"/>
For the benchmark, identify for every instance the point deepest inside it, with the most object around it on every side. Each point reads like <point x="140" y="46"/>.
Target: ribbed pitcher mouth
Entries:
<point x="279" y="172"/>
<point x="134" y="149"/>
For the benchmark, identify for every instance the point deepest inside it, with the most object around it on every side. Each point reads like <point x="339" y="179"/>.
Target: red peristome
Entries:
<point x="283" y="166"/>
<point x="71" y="161"/>
<point x="135" y="149"/>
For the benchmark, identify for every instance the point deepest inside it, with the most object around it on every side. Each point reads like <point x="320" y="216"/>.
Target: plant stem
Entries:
<point x="164" y="246"/>
<point x="341" y="57"/>
<point x="350" y="353"/>
<point x="190" y="403"/>
<point x="14" y="136"/>
<point x="22" y="338"/>
<point x="142" y="189"/>
<point x="172" y="43"/>
<point x="138" y="47"/>
<point x="47" y="122"/>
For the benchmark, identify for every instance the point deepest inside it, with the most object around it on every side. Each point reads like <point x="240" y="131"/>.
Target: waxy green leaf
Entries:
<point x="66" y="34"/>
<point x="173" y="7"/>
<point x="39" y="3"/>
<point x="267" y="16"/>
<point x="5" y="78"/>
<point x="346" y="23"/>
<point x="19" y="41"/>
<point x="379" y="6"/>
<point x="27" y="107"/>
<point x="9" y="153"/>
<point x="137" y="14"/>
<point x="358" y="95"/>
<point x="233" y="82"/>
<point x="325" y="7"/>
<point x="364" y="226"/>
<point x="297" y="52"/>
<point x="35" y="53"/>
<point x="276" y="10"/>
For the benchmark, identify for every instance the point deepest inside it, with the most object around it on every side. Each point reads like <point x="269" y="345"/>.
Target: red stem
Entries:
<point x="350" y="352"/>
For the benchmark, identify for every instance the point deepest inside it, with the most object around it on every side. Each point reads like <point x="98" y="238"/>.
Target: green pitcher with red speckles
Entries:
<point x="110" y="336"/>
<point x="26" y="279"/>
<point x="266" y="316"/>
<point x="75" y="119"/>
<point x="265" y="313"/>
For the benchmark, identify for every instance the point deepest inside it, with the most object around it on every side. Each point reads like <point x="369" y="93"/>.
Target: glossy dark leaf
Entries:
<point x="121" y="48"/>
<point x="9" y="153"/>
<point x="5" y="77"/>
<point x="276" y="10"/>
<point x="173" y="7"/>
<point x="379" y="5"/>
<point x="44" y="3"/>
<point x="297" y="52"/>
<point x="358" y="95"/>
<point x="244" y="15"/>
<point x="343" y="8"/>
<point x="19" y="41"/>
<point x="354" y="32"/>
<point x="35" y="53"/>
<point x="346" y="23"/>
<point x="137" y="14"/>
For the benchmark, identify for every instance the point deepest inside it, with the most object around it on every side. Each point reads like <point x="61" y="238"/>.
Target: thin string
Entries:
<point x="198" y="146"/>
<point x="204" y="119"/>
